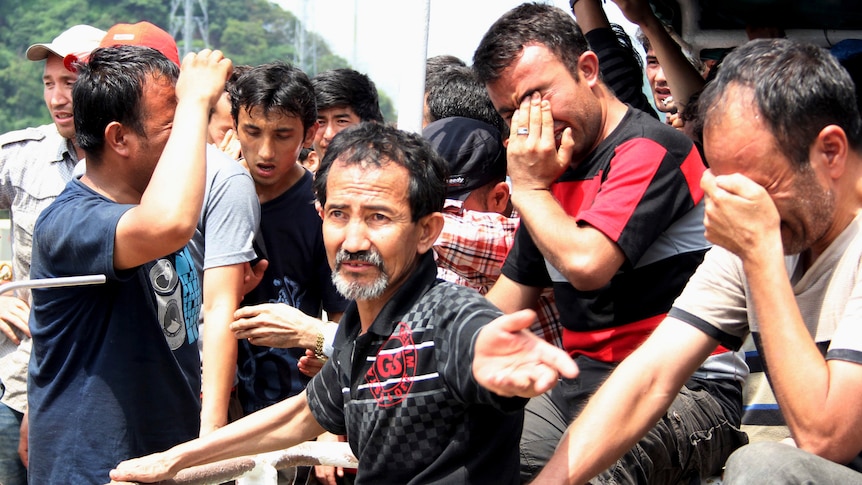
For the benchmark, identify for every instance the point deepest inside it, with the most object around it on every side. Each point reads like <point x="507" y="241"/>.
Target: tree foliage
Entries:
<point x="247" y="31"/>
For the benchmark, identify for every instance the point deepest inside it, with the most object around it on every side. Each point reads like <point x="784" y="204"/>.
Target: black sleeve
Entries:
<point x="525" y="263"/>
<point x="621" y="71"/>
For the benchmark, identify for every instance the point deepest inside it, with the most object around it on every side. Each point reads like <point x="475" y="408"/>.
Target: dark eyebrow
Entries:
<point x="366" y="208"/>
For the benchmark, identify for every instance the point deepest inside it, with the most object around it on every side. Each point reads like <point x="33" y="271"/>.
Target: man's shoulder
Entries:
<point x="35" y="134"/>
<point x="639" y="137"/>
<point x="220" y="163"/>
<point x="639" y="124"/>
<point x="457" y="297"/>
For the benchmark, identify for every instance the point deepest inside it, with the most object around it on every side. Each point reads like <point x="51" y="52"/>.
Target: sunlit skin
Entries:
<point x="330" y="122"/>
<point x="271" y="143"/>
<point x="367" y="207"/>
<point x="57" y="82"/>
<point x="735" y="142"/>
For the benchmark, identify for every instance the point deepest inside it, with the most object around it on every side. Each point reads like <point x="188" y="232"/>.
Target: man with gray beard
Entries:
<point x="400" y="383"/>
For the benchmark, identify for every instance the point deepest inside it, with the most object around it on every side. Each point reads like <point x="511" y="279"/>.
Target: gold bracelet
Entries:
<point x="318" y="349"/>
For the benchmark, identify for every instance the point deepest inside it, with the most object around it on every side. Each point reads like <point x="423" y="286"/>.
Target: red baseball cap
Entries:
<point x="144" y="34"/>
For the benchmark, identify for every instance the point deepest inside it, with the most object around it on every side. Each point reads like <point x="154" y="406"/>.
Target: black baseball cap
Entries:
<point x="473" y="150"/>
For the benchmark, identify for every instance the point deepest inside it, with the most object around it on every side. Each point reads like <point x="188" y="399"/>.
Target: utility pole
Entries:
<point x="187" y="21"/>
<point x="306" y="51"/>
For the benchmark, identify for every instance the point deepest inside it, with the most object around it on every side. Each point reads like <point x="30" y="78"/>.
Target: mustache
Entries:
<point x="370" y="256"/>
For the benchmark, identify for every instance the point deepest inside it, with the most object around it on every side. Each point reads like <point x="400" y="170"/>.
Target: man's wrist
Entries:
<point x="318" y="348"/>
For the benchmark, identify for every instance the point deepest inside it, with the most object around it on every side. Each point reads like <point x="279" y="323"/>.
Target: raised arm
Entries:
<point x="585" y="256"/>
<point x="621" y="68"/>
<point x="166" y="217"/>
<point x="684" y="80"/>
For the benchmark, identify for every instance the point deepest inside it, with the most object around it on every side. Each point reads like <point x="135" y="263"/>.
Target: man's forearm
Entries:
<point x="629" y="403"/>
<point x="276" y="427"/>
<point x="584" y="255"/>
<point x="800" y="378"/>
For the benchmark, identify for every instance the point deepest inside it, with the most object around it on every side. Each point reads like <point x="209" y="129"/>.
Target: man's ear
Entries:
<point x="588" y="67"/>
<point x="312" y="162"/>
<point x="430" y="228"/>
<point x="309" y="134"/>
<point x="117" y="138"/>
<point x="830" y="148"/>
<point x="497" y="198"/>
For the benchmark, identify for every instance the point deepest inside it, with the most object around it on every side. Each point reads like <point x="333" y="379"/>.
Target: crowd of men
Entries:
<point x="547" y="285"/>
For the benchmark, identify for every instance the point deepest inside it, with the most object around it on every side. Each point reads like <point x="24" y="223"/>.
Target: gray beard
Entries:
<point x="357" y="291"/>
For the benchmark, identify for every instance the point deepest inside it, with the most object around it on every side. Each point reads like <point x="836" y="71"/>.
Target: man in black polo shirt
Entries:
<point x="400" y="383"/>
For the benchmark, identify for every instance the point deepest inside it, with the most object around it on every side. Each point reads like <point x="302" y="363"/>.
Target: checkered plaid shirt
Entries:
<point x="471" y="250"/>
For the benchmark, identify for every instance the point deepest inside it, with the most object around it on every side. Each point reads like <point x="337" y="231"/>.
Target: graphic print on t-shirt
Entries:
<point x="288" y="291"/>
<point x="391" y="376"/>
<point x="178" y="297"/>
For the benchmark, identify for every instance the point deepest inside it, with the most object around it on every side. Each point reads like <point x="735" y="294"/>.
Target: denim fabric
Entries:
<point x="12" y="471"/>
<point x="691" y="441"/>
<point x="777" y="463"/>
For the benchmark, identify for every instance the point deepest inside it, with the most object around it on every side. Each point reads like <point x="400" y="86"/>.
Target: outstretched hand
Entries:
<point x="275" y="325"/>
<point x="511" y="361"/>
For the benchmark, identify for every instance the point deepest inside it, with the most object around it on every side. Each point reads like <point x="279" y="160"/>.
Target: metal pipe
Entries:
<point x="53" y="282"/>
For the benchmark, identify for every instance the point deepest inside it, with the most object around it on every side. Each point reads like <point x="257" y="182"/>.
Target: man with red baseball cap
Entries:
<point x="221" y="246"/>
<point x="35" y="165"/>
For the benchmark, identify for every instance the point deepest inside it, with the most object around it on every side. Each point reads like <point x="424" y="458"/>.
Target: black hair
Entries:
<point x="798" y="89"/>
<point x="110" y="87"/>
<point x="529" y="23"/>
<point x="344" y="87"/>
<point x="456" y="91"/>
<point x="376" y="145"/>
<point x="276" y="87"/>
